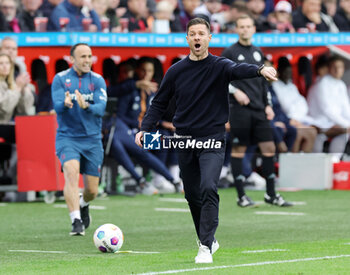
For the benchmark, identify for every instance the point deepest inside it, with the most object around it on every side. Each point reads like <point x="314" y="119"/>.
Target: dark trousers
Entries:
<point x="200" y="172"/>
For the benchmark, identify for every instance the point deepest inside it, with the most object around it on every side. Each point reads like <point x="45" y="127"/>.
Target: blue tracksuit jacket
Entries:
<point x="76" y="122"/>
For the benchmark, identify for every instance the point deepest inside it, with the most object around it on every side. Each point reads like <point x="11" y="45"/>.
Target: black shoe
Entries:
<point x="245" y="201"/>
<point x="277" y="200"/>
<point x="85" y="216"/>
<point x="77" y="228"/>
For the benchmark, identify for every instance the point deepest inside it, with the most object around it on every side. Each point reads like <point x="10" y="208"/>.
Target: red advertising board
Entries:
<point x="341" y="176"/>
<point x="38" y="168"/>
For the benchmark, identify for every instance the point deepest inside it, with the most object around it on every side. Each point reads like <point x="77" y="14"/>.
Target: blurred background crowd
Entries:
<point x="165" y="16"/>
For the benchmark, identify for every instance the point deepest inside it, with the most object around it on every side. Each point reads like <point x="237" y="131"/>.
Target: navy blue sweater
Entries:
<point x="201" y="94"/>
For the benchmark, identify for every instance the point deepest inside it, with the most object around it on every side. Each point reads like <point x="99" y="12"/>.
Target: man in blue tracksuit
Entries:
<point x="79" y="98"/>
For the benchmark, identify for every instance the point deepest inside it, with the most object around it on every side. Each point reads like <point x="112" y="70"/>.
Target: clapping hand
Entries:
<point x="68" y="100"/>
<point x="81" y="101"/>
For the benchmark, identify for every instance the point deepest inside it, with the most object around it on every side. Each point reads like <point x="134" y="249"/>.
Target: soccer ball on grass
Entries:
<point x="108" y="238"/>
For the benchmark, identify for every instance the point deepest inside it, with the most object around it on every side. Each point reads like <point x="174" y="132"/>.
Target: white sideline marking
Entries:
<point x="298" y="202"/>
<point x="243" y="265"/>
<point x="3" y="204"/>
<point x="263" y="251"/>
<point x="293" y="202"/>
<point x="95" y="207"/>
<point x="279" y="213"/>
<point x="172" y="209"/>
<point x="137" y="252"/>
<point x="172" y="200"/>
<point x="38" y="251"/>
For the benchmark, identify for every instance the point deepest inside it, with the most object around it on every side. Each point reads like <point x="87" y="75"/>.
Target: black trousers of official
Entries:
<point x="200" y="171"/>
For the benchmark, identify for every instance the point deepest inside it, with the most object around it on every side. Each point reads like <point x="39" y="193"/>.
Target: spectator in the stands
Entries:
<point x="101" y="7"/>
<point x="186" y="13"/>
<point x="75" y="11"/>
<point x="342" y="17"/>
<point x="330" y="7"/>
<point x="309" y="18"/>
<point x="151" y="6"/>
<point x="15" y="97"/>
<point x="137" y="14"/>
<point x="329" y="106"/>
<point x="294" y="105"/>
<point x="282" y="17"/>
<point x="208" y="8"/>
<point x="3" y="23"/>
<point x="9" y="10"/>
<point x="113" y="13"/>
<point x="30" y="10"/>
<point x="256" y="8"/>
<point x="9" y="46"/>
<point x="48" y="6"/>
<point x="128" y="109"/>
<point x="165" y="21"/>
<point x="227" y="18"/>
<point x="321" y="67"/>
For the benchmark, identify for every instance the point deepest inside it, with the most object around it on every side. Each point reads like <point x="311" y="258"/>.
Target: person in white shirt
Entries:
<point x="329" y="106"/>
<point x="295" y="107"/>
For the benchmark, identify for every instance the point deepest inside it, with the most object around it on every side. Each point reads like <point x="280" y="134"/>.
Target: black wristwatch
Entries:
<point x="259" y="69"/>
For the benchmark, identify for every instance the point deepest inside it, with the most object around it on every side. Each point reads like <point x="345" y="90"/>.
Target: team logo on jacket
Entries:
<point x="257" y="56"/>
<point x="68" y="83"/>
<point x="241" y="57"/>
<point x="91" y="87"/>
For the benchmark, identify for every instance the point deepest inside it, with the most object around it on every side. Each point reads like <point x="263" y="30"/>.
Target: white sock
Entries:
<point x="82" y="202"/>
<point x="175" y="172"/>
<point x="75" y="215"/>
<point x="224" y="172"/>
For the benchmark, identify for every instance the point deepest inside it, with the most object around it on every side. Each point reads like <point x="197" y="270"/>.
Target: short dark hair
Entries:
<point x="72" y="50"/>
<point x="245" y="16"/>
<point x="144" y="59"/>
<point x="197" y="21"/>
<point x="334" y="58"/>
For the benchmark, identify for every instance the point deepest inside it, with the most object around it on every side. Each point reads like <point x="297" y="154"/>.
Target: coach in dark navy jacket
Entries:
<point x="199" y="83"/>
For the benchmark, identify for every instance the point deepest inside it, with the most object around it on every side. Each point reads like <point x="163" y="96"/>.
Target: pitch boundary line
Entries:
<point x="244" y="265"/>
<point x="172" y="210"/>
<point x="265" y="250"/>
<point x="172" y="200"/>
<point x="279" y="213"/>
<point x="136" y="252"/>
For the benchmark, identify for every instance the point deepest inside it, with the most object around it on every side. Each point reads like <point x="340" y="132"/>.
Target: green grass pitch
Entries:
<point x="315" y="240"/>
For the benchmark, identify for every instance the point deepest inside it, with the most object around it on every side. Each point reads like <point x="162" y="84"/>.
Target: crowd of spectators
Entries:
<point x="165" y="16"/>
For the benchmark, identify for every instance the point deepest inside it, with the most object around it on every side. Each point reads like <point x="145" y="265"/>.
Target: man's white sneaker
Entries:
<point x="214" y="247"/>
<point x="204" y="256"/>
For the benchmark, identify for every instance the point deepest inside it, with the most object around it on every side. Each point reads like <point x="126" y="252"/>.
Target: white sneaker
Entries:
<point x="258" y="180"/>
<point x="164" y="187"/>
<point x="149" y="189"/>
<point x="214" y="247"/>
<point x="204" y="256"/>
